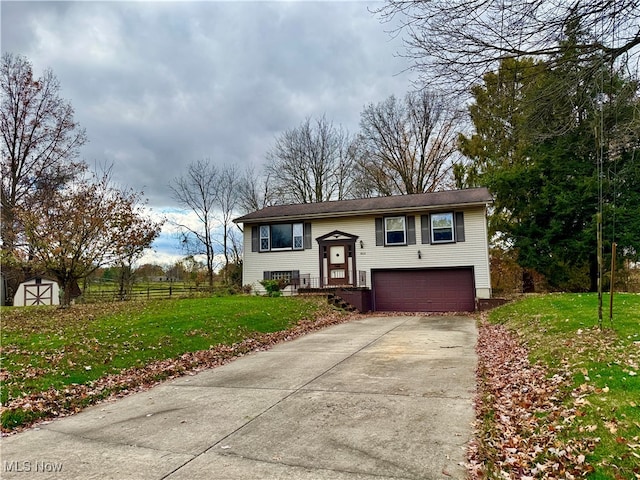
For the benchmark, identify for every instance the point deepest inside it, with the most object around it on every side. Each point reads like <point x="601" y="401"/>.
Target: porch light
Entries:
<point x="361" y="244"/>
<point x="419" y="254"/>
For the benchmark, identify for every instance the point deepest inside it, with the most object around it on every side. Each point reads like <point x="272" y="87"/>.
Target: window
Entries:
<point x="297" y="236"/>
<point x="442" y="227"/>
<point x="282" y="236"/>
<point x="394" y="231"/>
<point x="284" y="276"/>
<point x="265" y="243"/>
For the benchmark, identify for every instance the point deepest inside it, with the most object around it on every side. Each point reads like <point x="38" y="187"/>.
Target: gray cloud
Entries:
<point x="158" y="85"/>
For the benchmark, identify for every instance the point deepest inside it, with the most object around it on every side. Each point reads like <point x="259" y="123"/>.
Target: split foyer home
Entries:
<point x="423" y="253"/>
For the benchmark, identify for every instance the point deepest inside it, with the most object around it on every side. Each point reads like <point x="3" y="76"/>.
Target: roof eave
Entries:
<point x="358" y="213"/>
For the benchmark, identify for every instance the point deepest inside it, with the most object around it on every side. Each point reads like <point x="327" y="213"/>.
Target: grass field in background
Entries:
<point x="46" y="348"/>
<point x="561" y="331"/>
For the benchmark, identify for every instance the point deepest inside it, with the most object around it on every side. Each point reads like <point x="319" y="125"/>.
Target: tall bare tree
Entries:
<point x="455" y="43"/>
<point x="227" y="199"/>
<point x="311" y="163"/>
<point x="198" y="190"/>
<point x="407" y="146"/>
<point x="254" y="191"/>
<point x="40" y="141"/>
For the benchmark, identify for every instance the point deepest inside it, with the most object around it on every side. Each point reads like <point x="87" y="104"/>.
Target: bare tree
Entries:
<point x="198" y="191"/>
<point x="40" y="141"/>
<point x="233" y="270"/>
<point x="85" y="225"/>
<point x="254" y="192"/>
<point x="236" y="247"/>
<point x="311" y="163"/>
<point x="228" y="198"/>
<point x="407" y="146"/>
<point x="456" y="43"/>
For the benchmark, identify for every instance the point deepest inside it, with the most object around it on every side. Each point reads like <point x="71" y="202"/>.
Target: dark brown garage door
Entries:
<point x="433" y="290"/>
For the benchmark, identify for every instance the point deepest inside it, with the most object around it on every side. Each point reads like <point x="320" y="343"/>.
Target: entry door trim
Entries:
<point x="330" y="276"/>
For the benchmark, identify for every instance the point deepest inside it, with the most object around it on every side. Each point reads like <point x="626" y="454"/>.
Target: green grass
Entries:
<point x="561" y="331"/>
<point x="46" y="348"/>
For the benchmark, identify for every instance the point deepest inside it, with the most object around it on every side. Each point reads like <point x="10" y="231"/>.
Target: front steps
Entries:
<point x="339" y="302"/>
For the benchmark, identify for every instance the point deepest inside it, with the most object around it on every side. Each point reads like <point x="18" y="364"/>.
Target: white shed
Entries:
<point x="37" y="291"/>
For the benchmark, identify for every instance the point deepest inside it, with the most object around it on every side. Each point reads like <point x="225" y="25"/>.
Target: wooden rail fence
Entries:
<point x="144" y="293"/>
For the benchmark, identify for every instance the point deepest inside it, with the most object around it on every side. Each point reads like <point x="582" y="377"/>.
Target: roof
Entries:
<point x="34" y="278"/>
<point x="372" y="206"/>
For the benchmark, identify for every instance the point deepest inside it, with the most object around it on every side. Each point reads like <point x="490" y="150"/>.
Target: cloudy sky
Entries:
<point x="158" y="85"/>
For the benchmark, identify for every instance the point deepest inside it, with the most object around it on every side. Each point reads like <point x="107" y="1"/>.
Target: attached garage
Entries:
<point x="423" y="290"/>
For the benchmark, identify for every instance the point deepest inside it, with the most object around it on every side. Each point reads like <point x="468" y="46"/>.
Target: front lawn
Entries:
<point x="571" y="407"/>
<point x="55" y="361"/>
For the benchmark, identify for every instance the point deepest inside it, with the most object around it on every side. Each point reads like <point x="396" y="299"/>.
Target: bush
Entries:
<point x="273" y="287"/>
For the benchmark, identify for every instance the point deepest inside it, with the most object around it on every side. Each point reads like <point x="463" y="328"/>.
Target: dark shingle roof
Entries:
<point x="377" y="205"/>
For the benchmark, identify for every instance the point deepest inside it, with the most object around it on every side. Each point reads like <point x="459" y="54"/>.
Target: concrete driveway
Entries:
<point x="376" y="398"/>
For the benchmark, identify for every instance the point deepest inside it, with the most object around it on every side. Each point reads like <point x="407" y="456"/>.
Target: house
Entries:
<point x="37" y="291"/>
<point x="422" y="252"/>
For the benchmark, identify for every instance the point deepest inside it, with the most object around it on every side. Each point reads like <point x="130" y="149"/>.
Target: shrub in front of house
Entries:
<point x="273" y="287"/>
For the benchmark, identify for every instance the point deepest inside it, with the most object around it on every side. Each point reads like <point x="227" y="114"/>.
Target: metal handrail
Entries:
<point x="307" y="281"/>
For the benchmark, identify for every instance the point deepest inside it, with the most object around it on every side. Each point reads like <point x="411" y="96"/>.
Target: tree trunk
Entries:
<point x="8" y="231"/>
<point x="67" y="291"/>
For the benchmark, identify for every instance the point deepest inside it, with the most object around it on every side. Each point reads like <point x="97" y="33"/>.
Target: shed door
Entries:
<point x="432" y="290"/>
<point x="38" y="294"/>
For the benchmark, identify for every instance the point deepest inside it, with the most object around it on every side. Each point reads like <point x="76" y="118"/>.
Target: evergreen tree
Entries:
<point x="541" y="133"/>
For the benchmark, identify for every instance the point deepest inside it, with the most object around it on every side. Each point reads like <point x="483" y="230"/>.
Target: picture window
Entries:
<point x="282" y="236"/>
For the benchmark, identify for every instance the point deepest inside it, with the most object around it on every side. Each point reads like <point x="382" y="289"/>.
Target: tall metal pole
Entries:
<point x="613" y="271"/>
<point x="599" y="238"/>
<point x="600" y="159"/>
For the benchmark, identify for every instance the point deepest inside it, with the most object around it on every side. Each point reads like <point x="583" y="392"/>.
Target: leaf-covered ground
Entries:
<point x="572" y="412"/>
<point x="558" y="398"/>
<point x="524" y="410"/>
<point x="50" y="348"/>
